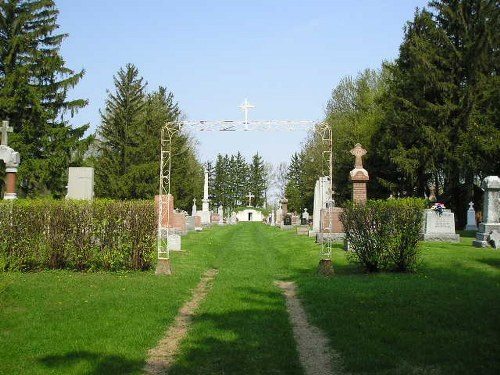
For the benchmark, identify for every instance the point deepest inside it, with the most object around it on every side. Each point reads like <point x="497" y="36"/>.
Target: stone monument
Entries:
<point x="320" y="198"/>
<point x="11" y="159"/>
<point x="220" y="211"/>
<point x="205" y="211"/>
<point x="193" y="208"/>
<point x="80" y="183"/>
<point x="471" y="218"/>
<point x="490" y="227"/>
<point x="440" y="226"/>
<point x="359" y="175"/>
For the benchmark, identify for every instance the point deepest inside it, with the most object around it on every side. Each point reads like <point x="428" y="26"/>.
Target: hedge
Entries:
<point x="78" y="235"/>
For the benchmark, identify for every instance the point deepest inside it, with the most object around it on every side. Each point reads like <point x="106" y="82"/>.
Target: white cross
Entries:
<point x="5" y="129"/>
<point x="250" y="196"/>
<point x="245" y="106"/>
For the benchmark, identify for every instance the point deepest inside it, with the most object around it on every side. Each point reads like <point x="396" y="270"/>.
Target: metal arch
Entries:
<point x="326" y="137"/>
<point x="173" y="127"/>
<point x="167" y="133"/>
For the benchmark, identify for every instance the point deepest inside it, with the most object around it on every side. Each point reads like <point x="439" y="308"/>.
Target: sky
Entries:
<point x="284" y="56"/>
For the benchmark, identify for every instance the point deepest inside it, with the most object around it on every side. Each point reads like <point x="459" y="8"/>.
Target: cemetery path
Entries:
<point x="314" y="352"/>
<point x="247" y="324"/>
<point x="162" y="356"/>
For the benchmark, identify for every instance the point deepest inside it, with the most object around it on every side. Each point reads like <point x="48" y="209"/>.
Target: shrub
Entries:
<point x="384" y="235"/>
<point x="78" y="235"/>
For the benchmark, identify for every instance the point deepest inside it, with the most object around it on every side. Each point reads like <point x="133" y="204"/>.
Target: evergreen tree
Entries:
<point x="241" y="176"/>
<point x="295" y="186"/>
<point x="257" y="182"/>
<point x="34" y="83"/>
<point x="441" y="109"/>
<point x="118" y="135"/>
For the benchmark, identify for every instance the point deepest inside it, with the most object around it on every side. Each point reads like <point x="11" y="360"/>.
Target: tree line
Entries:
<point x="429" y="119"/>
<point x="232" y="179"/>
<point x="125" y="150"/>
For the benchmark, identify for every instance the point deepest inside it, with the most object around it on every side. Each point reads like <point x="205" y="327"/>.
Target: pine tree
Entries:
<point x="34" y="83"/>
<point x="118" y="135"/>
<point x="257" y="182"/>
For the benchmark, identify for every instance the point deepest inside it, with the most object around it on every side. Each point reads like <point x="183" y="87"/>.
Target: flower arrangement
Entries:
<point x="438" y="208"/>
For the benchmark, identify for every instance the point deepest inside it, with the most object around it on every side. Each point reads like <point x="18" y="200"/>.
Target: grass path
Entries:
<point x="242" y="327"/>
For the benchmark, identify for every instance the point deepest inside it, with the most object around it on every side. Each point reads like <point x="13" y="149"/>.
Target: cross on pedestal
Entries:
<point x="358" y="151"/>
<point x="250" y="196"/>
<point x="5" y="129"/>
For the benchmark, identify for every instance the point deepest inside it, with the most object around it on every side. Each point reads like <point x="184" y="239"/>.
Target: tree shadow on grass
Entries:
<point x="493" y="262"/>
<point x="101" y="363"/>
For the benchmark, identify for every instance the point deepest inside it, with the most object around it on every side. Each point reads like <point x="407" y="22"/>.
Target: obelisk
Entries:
<point x="205" y="213"/>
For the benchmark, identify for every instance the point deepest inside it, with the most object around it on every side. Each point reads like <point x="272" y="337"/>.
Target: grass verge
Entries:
<point x="442" y="319"/>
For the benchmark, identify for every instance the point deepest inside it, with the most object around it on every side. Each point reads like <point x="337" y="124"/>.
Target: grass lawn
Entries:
<point x="443" y="319"/>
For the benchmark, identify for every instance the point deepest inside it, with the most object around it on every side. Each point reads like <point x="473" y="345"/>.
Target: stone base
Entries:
<point x="471" y="227"/>
<point x="286" y="227"/>
<point x="303" y="230"/>
<point x="441" y="237"/>
<point x="163" y="267"/>
<point x="335" y="237"/>
<point x="9" y="196"/>
<point x="325" y="268"/>
<point x="312" y="233"/>
<point x="483" y="234"/>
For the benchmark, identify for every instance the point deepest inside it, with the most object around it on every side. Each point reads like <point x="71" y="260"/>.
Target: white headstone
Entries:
<point x="80" y="183"/>
<point x="320" y="198"/>
<point x="174" y="242"/>
<point x="440" y="226"/>
<point x="491" y="211"/>
<point x="471" y="218"/>
<point x="193" y="209"/>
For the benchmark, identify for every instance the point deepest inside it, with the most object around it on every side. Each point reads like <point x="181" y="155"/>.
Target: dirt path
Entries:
<point x="314" y="353"/>
<point x="162" y="356"/>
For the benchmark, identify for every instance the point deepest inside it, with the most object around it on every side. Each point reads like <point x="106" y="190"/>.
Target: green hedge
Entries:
<point x="79" y="235"/>
<point x="384" y="235"/>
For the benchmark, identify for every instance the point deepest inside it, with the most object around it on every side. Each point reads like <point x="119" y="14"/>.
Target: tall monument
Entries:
<point x="205" y="211"/>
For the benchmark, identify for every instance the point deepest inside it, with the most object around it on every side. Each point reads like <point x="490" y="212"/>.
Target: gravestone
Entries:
<point x="302" y="230"/>
<point x="471" y="218"/>
<point x="287" y="222"/>
<point x="174" y="242"/>
<point x="440" y="226"/>
<point x="279" y="216"/>
<point x="359" y="175"/>
<point x="193" y="208"/>
<point x="491" y="211"/>
<point x="80" y="183"/>
<point x="305" y="217"/>
<point x="220" y="211"/>
<point x="205" y="211"/>
<point x="321" y="190"/>
<point x="495" y="239"/>
<point x="190" y="223"/>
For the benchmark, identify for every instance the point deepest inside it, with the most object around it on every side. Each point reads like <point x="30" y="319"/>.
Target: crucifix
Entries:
<point x="245" y="107"/>
<point x="250" y="196"/>
<point x="5" y="129"/>
<point x="358" y="151"/>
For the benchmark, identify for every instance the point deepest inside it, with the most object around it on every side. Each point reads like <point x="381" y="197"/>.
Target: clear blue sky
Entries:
<point x="285" y="56"/>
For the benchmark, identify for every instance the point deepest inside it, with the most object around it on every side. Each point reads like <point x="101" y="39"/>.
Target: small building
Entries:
<point x="249" y="214"/>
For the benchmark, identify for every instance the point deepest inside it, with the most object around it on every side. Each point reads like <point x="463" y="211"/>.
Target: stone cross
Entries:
<point x="5" y="129"/>
<point x="250" y="196"/>
<point x="358" y="151"/>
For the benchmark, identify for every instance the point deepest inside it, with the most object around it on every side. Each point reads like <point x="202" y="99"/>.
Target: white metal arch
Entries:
<point x="174" y="127"/>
